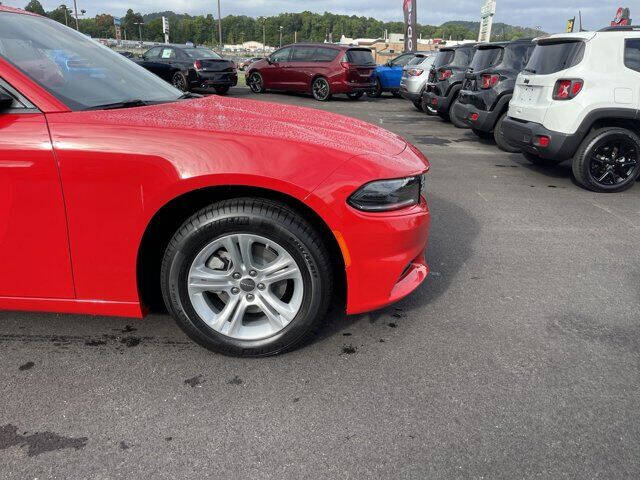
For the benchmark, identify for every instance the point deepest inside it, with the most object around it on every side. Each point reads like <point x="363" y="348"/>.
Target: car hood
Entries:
<point x="253" y="118"/>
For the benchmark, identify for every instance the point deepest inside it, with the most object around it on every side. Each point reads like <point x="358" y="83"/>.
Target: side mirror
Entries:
<point x="5" y="101"/>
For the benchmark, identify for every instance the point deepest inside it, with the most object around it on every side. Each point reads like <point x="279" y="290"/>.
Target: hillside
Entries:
<point x="500" y="30"/>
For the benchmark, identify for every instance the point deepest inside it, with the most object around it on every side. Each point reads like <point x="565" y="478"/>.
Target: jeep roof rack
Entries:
<point x="621" y="28"/>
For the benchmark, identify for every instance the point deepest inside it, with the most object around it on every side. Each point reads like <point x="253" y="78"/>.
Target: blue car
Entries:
<point x="388" y="76"/>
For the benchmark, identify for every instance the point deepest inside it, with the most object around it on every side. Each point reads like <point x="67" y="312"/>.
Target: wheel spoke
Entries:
<point x="245" y="242"/>
<point x="206" y="280"/>
<point x="234" y="317"/>
<point x="275" y="309"/>
<point x="605" y="175"/>
<point x="281" y="269"/>
<point x="231" y="247"/>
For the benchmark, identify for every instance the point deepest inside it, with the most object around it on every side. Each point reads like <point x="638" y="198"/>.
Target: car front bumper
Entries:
<point x="525" y="135"/>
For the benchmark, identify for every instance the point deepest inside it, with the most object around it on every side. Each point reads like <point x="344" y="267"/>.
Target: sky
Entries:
<point x="550" y="15"/>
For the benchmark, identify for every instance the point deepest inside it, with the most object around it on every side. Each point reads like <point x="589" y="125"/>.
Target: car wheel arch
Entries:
<point x="171" y="215"/>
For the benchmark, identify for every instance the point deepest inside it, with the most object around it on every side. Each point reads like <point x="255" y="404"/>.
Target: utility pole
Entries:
<point x="264" y="37"/>
<point x="75" y="7"/>
<point x="139" y="29"/>
<point x="295" y="37"/>
<point x="219" y="25"/>
<point x="281" y="27"/>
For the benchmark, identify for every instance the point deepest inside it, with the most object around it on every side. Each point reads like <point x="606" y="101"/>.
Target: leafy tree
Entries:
<point x="36" y="7"/>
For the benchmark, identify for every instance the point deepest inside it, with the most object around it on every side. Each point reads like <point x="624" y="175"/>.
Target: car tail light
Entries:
<point x="415" y="72"/>
<point x="444" y="75"/>
<point x="542" y="141"/>
<point x="345" y="65"/>
<point x="489" y="81"/>
<point x="474" y="117"/>
<point x="567" y="89"/>
<point x="197" y="65"/>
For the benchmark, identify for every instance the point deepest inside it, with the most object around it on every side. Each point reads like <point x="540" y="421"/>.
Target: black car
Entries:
<point x="488" y="87"/>
<point x="127" y="54"/>
<point x="445" y="81"/>
<point x="191" y="68"/>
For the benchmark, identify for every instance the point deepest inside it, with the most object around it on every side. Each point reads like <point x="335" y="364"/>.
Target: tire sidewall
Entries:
<point x="243" y="222"/>
<point x="183" y="77"/>
<point x="251" y="84"/>
<point x="313" y="90"/>
<point x="500" y="139"/>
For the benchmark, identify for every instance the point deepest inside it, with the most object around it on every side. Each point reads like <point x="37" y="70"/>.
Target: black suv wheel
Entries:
<point x="608" y="160"/>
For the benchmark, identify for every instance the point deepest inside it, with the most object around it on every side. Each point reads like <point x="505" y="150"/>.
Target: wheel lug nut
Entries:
<point x="261" y="286"/>
<point x="253" y="273"/>
<point x="237" y="275"/>
<point x="250" y="297"/>
<point x="235" y="290"/>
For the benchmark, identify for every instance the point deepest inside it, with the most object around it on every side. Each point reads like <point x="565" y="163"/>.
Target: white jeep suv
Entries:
<point x="579" y="98"/>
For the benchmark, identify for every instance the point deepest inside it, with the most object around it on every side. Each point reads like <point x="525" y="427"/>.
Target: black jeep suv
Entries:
<point x="445" y="81"/>
<point x="488" y="87"/>
<point x="189" y="67"/>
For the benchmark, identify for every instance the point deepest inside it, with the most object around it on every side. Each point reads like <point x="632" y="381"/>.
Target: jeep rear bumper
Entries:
<point x="476" y="118"/>
<point x="528" y="135"/>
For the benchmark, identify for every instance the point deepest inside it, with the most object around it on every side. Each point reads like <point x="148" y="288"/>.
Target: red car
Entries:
<point x="322" y="70"/>
<point x="248" y="220"/>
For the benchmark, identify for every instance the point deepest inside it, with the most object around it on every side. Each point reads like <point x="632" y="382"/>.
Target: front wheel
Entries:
<point x="355" y="95"/>
<point x="377" y="90"/>
<point x="608" y="160"/>
<point x="418" y="105"/>
<point x="222" y="90"/>
<point x="321" y="89"/>
<point x="179" y="80"/>
<point x="255" y="82"/>
<point x="247" y="277"/>
<point x="501" y="140"/>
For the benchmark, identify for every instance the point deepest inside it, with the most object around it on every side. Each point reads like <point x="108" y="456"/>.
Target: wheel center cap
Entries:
<point x="247" y="285"/>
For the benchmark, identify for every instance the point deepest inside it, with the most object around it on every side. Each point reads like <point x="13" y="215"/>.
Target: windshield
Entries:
<point x="78" y="71"/>
<point x="486" y="58"/>
<point x="416" y="61"/>
<point x="517" y="55"/>
<point x="201" y="53"/>
<point x="444" y="57"/>
<point x="548" y="58"/>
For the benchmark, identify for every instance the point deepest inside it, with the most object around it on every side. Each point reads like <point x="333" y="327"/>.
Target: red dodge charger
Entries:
<point x="246" y="220"/>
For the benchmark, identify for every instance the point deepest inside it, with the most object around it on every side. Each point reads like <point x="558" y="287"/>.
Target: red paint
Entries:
<point x="78" y="190"/>
<point x="298" y="76"/>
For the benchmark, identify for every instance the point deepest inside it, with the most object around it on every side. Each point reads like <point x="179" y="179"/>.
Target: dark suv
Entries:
<point x="445" y="80"/>
<point x="488" y="87"/>
<point x="319" y="69"/>
<point x="189" y="67"/>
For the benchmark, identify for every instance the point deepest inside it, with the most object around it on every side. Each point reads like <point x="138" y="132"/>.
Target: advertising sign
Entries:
<point x="570" y="24"/>
<point x="117" y="23"/>
<point x="411" y="25"/>
<point x="486" y="20"/>
<point x="622" y="18"/>
<point x="165" y="29"/>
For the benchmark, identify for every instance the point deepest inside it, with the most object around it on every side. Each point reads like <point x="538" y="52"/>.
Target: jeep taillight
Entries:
<point x="197" y="65"/>
<point x="567" y="89"/>
<point x="444" y="75"/>
<point x="489" y="81"/>
<point x="415" y="72"/>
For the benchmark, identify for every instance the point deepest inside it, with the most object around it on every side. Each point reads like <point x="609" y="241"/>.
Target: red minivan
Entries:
<point x="321" y="69"/>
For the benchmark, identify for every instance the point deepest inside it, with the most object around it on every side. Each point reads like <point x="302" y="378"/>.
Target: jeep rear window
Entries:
<point x="548" y="58"/>
<point x="360" y="57"/>
<point x="486" y="58"/>
<point x="517" y="55"/>
<point x="444" y="57"/>
<point x="463" y="57"/>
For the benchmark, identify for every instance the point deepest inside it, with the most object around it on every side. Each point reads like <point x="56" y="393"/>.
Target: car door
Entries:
<point x="275" y="75"/>
<point x="34" y="249"/>
<point x="150" y="60"/>
<point x="391" y="73"/>
<point x="301" y="68"/>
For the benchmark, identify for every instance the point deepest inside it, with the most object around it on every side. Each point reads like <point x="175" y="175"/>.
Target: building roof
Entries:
<point x="6" y="8"/>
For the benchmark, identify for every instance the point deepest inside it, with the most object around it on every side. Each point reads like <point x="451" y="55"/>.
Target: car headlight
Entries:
<point x="387" y="195"/>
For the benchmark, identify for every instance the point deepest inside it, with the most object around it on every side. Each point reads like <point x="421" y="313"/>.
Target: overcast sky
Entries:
<point x="551" y="15"/>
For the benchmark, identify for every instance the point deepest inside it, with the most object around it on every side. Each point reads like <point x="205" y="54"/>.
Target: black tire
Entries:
<point x="321" y="90"/>
<point x="256" y="83"/>
<point x="501" y="140"/>
<point x="179" y="80"/>
<point x="355" y="95"/>
<point x="588" y="170"/>
<point x="427" y="108"/>
<point x="396" y="94"/>
<point x="458" y="123"/>
<point x="444" y="116"/>
<point x="539" y="161"/>
<point x="482" y="134"/>
<point x="261" y="217"/>
<point x="377" y="92"/>
<point x="223" y="90"/>
<point x="418" y="105"/>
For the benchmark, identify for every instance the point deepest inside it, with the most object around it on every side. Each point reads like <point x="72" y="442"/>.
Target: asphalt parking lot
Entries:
<point x="518" y="358"/>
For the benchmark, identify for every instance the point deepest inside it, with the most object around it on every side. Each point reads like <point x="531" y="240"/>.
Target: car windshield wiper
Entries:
<point x="124" y="104"/>
<point x="189" y="95"/>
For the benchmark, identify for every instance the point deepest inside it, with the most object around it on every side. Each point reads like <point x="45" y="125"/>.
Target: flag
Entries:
<point x="411" y="26"/>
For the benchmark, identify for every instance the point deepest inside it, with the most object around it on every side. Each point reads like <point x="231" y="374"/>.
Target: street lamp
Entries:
<point x="281" y="27"/>
<point x="219" y="25"/>
<point x="66" y="10"/>
<point x="139" y="29"/>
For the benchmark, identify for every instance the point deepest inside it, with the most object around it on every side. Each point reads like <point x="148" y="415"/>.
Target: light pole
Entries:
<point x="219" y="26"/>
<point x="264" y="37"/>
<point x="281" y="35"/>
<point x="64" y="7"/>
<point x="139" y="29"/>
<point x="75" y="7"/>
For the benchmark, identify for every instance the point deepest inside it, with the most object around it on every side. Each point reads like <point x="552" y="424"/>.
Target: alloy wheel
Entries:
<point x="321" y="89"/>
<point x="245" y="286"/>
<point x="179" y="82"/>
<point x="255" y="83"/>
<point x="614" y="161"/>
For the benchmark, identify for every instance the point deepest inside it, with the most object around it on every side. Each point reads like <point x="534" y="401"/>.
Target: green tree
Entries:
<point x="36" y="7"/>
